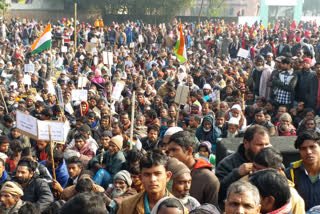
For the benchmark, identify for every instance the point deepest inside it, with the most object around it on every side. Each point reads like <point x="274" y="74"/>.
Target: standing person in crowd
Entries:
<point x="239" y="164"/>
<point x="305" y="172"/>
<point x="205" y="185"/>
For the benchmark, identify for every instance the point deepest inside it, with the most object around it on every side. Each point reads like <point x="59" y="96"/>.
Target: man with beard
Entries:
<point x="259" y="79"/>
<point x="10" y="195"/>
<point x="35" y="189"/>
<point x="120" y="190"/>
<point x="151" y="141"/>
<point x="239" y="164"/>
<point x="305" y="173"/>
<point x="181" y="183"/>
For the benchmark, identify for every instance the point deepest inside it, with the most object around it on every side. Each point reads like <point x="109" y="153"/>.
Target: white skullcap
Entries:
<point x="172" y="130"/>
<point x="236" y="106"/>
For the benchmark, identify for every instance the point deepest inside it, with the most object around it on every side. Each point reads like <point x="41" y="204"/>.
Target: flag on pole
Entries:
<point x="43" y="42"/>
<point x="180" y="48"/>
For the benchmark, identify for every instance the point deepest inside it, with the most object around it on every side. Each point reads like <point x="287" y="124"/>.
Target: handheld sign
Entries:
<point x="182" y="95"/>
<point x="27" y="124"/>
<point x="105" y="57"/>
<point x="29" y="68"/>
<point x="116" y="93"/>
<point x="58" y="130"/>
<point x="27" y="79"/>
<point x="79" y="95"/>
<point x="243" y="53"/>
<point x="82" y="82"/>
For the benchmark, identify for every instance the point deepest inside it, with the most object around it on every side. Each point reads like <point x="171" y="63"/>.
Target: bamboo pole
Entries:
<point x="51" y="152"/>
<point x="75" y="27"/>
<point x="4" y="102"/>
<point x="133" y="99"/>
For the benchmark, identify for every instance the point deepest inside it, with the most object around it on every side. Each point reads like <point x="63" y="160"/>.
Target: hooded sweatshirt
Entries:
<point x="205" y="185"/>
<point x="211" y="135"/>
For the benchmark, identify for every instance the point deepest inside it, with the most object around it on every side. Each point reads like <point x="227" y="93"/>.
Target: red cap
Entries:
<point x="308" y="60"/>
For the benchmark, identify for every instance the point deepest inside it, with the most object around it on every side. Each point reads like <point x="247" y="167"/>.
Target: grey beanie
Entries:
<point x="125" y="176"/>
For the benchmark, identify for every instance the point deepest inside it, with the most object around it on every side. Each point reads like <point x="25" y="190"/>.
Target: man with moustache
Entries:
<point x="239" y="164"/>
<point x="120" y="190"/>
<point x="35" y="189"/>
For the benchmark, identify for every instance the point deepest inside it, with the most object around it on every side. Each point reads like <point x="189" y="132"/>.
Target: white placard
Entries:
<point x="27" y="79"/>
<point x="68" y="108"/>
<point x="182" y="95"/>
<point x="116" y="93"/>
<point x="57" y="130"/>
<point x="105" y="57"/>
<point x="28" y="68"/>
<point x="64" y="49"/>
<point x="95" y="60"/>
<point x="51" y="89"/>
<point x="243" y="53"/>
<point x="110" y="58"/>
<point x="27" y="124"/>
<point x="79" y="95"/>
<point x="82" y="82"/>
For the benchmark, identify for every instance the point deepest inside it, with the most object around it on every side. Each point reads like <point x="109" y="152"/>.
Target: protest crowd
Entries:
<point x="130" y="118"/>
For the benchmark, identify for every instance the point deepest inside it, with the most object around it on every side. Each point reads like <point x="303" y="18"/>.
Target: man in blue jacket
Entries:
<point x="306" y="173"/>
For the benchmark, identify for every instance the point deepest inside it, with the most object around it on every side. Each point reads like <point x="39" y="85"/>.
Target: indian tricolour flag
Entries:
<point x="180" y="48"/>
<point x="43" y="42"/>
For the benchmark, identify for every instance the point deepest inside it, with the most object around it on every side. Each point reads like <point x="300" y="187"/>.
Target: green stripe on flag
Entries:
<point x="44" y="46"/>
<point x="180" y="57"/>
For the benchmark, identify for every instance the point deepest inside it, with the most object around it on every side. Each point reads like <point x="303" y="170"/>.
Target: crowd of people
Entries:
<point x="170" y="165"/>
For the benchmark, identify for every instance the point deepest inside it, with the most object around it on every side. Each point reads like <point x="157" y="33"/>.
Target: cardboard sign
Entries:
<point x="28" y="68"/>
<point x="59" y="95"/>
<point x="90" y="47"/>
<point x="58" y="130"/>
<point x="182" y="95"/>
<point x="27" y="79"/>
<point x="116" y="93"/>
<point x="82" y="82"/>
<point x="79" y="95"/>
<point x="64" y="49"/>
<point x="243" y="53"/>
<point x="27" y="124"/>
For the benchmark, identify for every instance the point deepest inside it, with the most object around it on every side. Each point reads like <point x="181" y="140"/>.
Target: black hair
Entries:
<point x="134" y="156"/>
<point x="270" y="182"/>
<point x="220" y="114"/>
<point x="30" y="164"/>
<point x="91" y="114"/>
<point x="306" y="135"/>
<point x="8" y="118"/>
<point x="57" y="156"/>
<point x="153" y="127"/>
<point x="153" y="158"/>
<point x="29" y="208"/>
<point x="87" y="172"/>
<point x="171" y="203"/>
<point x="2" y="161"/>
<point x="79" y="136"/>
<point x="82" y="119"/>
<point x="183" y="139"/>
<point x="74" y="160"/>
<point x="269" y="157"/>
<point x="260" y="109"/>
<point x="151" y="113"/>
<point x="85" y="203"/>
<point x="135" y="170"/>
<point x="197" y="118"/>
<point x="255" y="129"/>
<point x="16" y="146"/>
<point x="84" y="185"/>
<point x="4" y="139"/>
<point x="47" y="112"/>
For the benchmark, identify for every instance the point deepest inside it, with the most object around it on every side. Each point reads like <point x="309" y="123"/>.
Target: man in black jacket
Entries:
<point x="239" y="164"/>
<point x="35" y="189"/>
